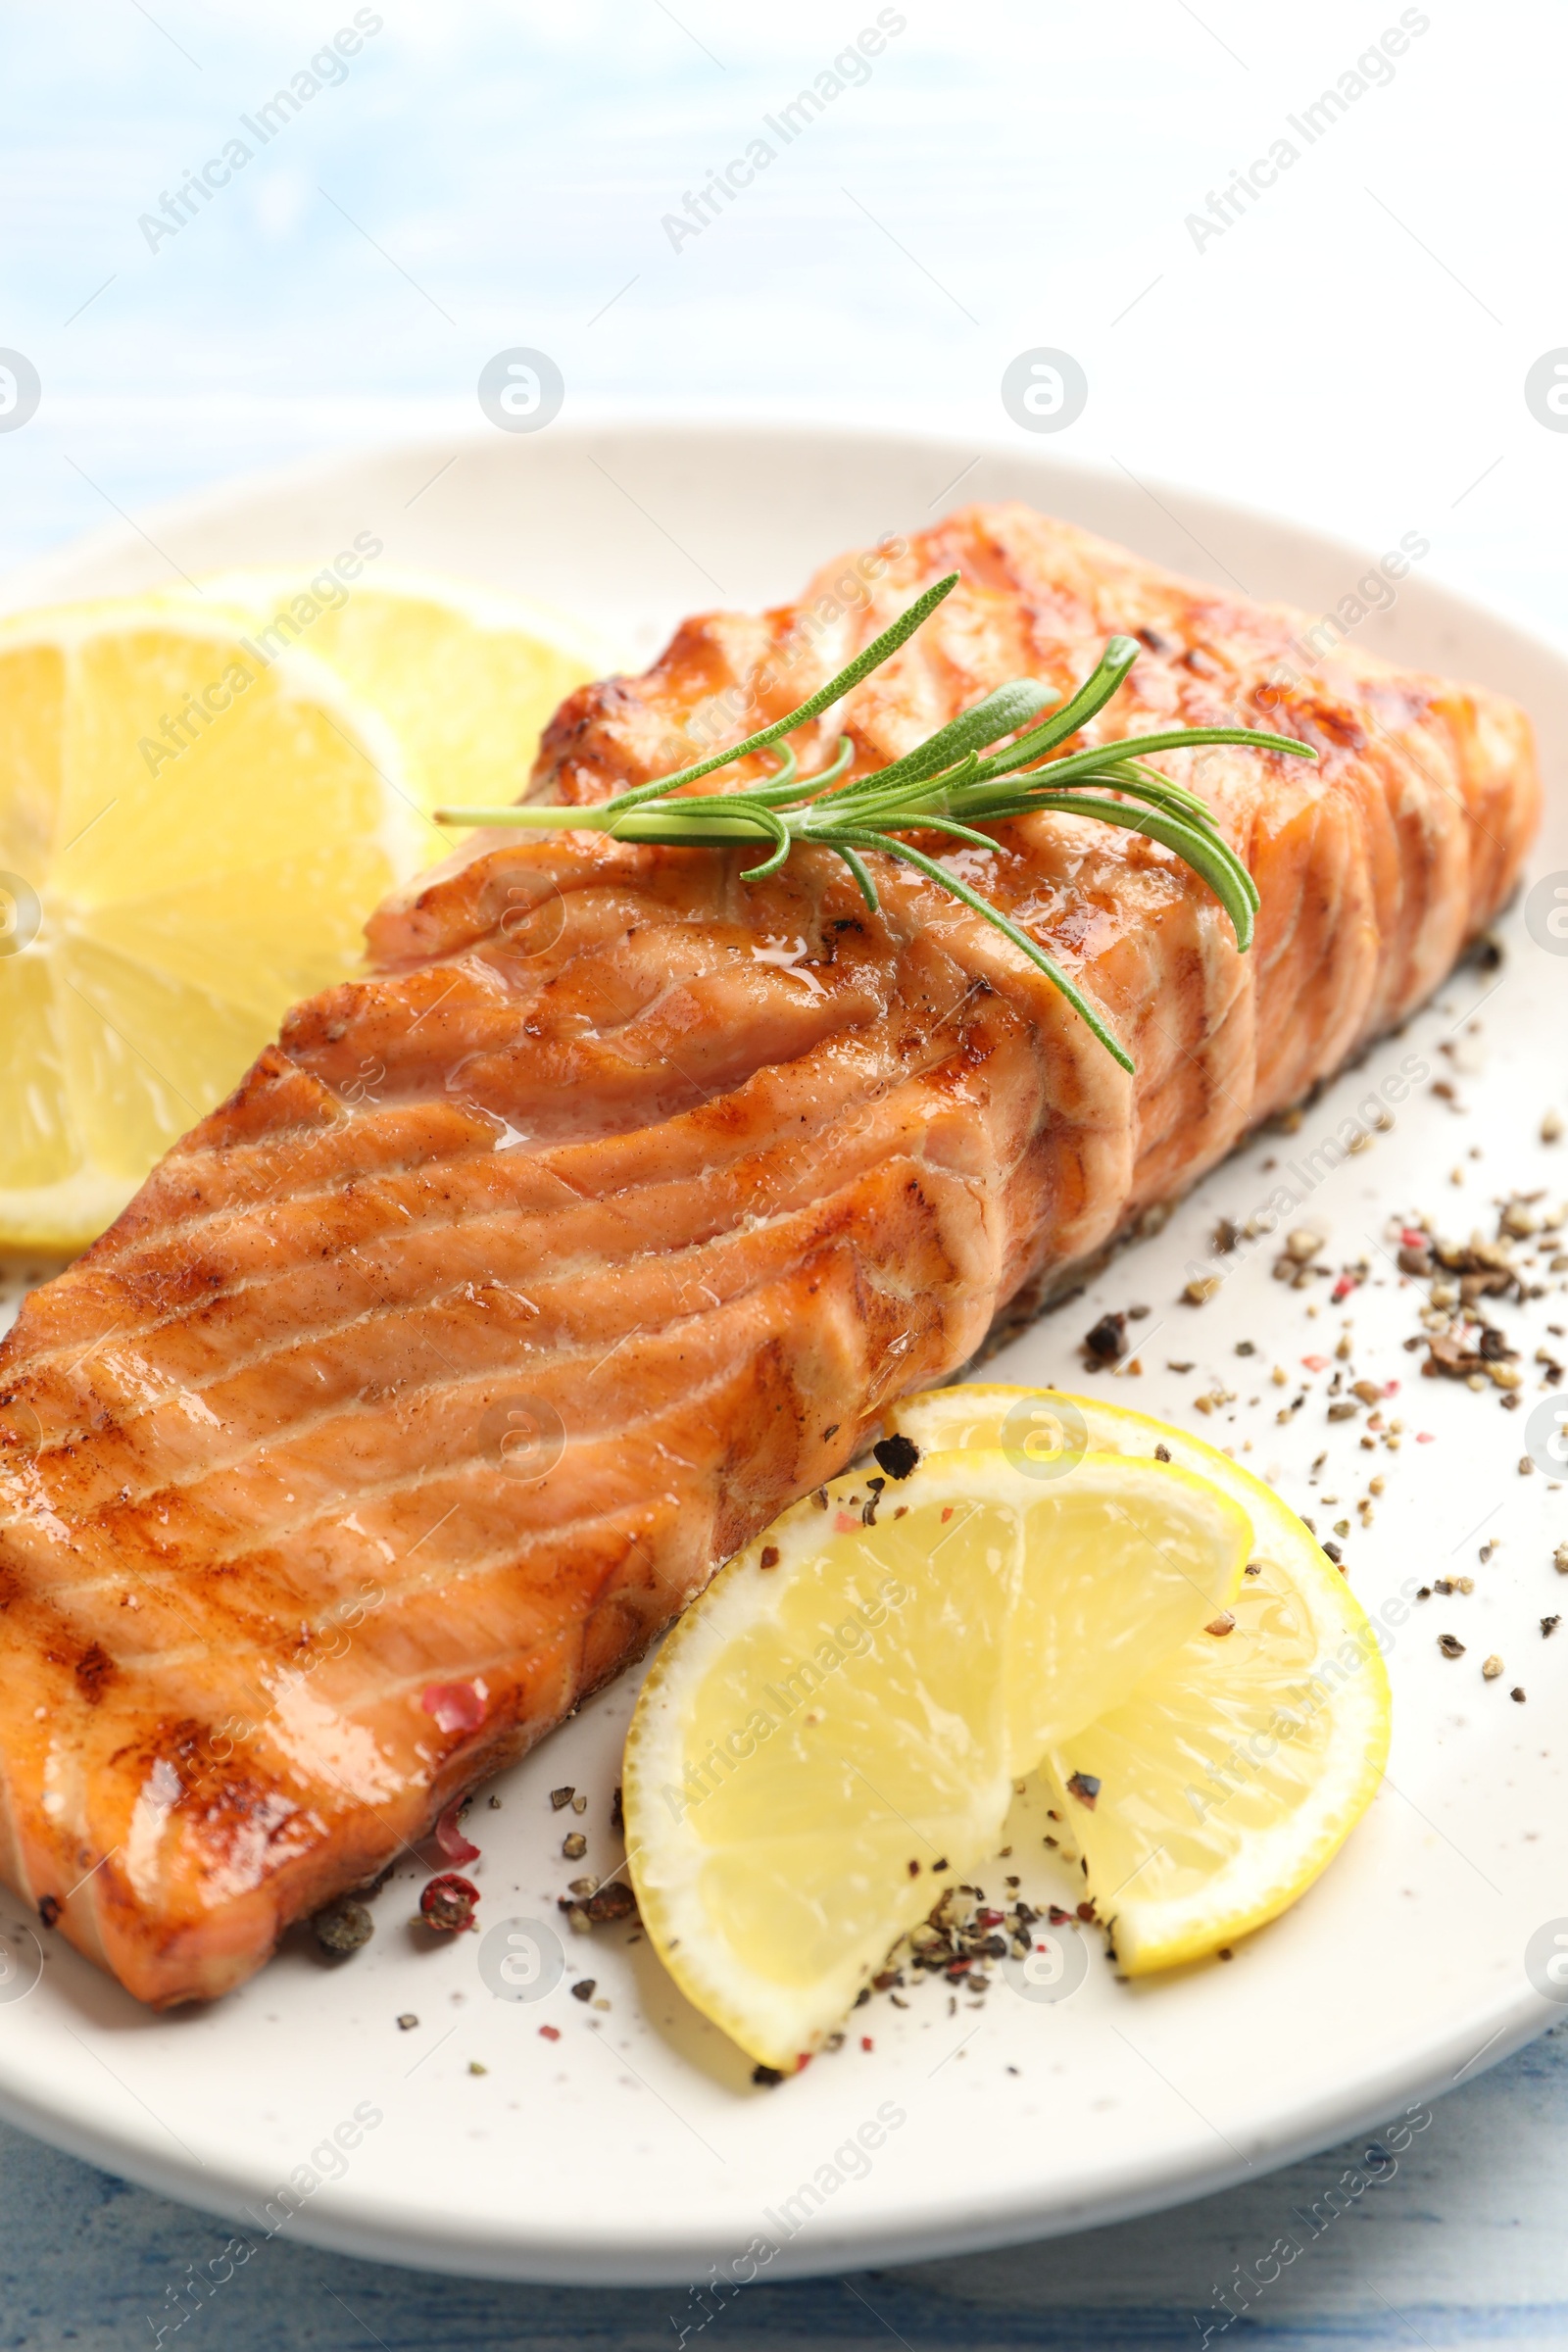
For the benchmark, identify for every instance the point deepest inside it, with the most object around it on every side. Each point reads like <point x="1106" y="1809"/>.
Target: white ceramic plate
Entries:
<point x="628" y="2143"/>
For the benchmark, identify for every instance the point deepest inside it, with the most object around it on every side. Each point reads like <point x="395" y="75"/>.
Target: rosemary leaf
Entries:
<point x="870" y="658"/>
<point x="1010" y="930"/>
<point x="943" y="786"/>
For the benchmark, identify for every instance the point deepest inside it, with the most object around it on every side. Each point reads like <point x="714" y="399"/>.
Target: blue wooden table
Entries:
<point x="209" y="278"/>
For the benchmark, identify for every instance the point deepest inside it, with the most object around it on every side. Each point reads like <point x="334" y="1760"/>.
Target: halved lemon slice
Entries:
<point x="1213" y="1795"/>
<point x="830" y="1736"/>
<point x="190" y="839"/>
<point x="466" y="677"/>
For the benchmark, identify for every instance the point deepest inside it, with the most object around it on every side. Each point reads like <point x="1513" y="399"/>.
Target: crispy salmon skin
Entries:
<point x="530" y="1275"/>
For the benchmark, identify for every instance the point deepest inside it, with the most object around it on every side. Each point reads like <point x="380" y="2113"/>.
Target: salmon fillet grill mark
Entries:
<point x="533" y="1273"/>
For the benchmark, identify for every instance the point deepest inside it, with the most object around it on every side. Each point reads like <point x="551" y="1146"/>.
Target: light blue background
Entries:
<point x="1014" y="173"/>
<point x="1351" y="352"/>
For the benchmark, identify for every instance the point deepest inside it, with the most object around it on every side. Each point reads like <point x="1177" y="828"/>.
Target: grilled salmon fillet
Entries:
<point x="531" y="1274"/>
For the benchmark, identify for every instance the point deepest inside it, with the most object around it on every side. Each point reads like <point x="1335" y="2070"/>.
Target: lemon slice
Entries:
<point x="189" y="841"/>
<point x="830" y="1736"/>
<point x="1234" y="1772"/>
<point x="465" y="677"/>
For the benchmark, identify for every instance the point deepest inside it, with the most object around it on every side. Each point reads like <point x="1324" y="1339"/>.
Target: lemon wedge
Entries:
<point x="830" y="1736"/>
<point x="465" y="677"/>
<point x="189" y="841"/>
<point x="203" y="794"/>
<point x="1226" y="1783"/>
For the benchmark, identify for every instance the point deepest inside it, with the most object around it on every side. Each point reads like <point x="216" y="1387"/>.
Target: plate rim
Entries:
<point x="397" y="2235"/>
<point x="736" y="423"/>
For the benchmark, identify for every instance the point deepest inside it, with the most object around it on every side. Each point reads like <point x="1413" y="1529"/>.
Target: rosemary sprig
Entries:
<point x="944" y="786"/>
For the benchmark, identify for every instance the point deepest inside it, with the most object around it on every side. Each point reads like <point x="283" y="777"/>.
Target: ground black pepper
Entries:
<point x="1107" y="1343"/>
<point x="898" y="1455"/>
